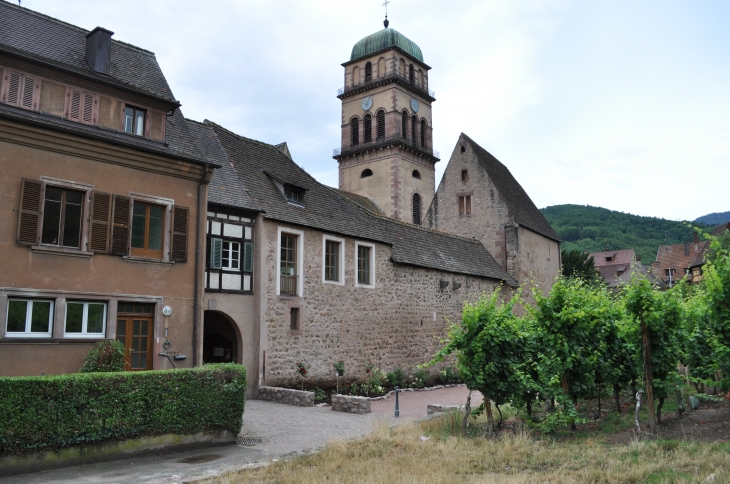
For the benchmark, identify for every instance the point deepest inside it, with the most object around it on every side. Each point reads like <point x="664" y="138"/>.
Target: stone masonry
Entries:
<point x="350" y="404"/>
<point x="287" y="396"/>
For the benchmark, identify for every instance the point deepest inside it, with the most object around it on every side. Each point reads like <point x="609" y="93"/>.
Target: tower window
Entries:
<point x="414" y="123"/>
<point x="463" y="149"/>
<point x="404" y="124"/>
<point x="417" y="209"/>
<point x="368" y="72"/>
<point x="381" y="124"/>
<point x="416" y="174"/>
<point x="411" y="74"/>
<point x="423" y="133"/>
<point x="368" y="128"/>
<point x="464" y="175"/>
<point x="465" y="205"/>
<point x="355" y="127"/>
<point x="366" y="173"/>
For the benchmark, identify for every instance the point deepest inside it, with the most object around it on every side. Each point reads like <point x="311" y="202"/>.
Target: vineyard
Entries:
<point x="583" y="340"/>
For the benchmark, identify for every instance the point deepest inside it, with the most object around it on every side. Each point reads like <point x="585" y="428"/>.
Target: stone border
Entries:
<point x="287" y="396"/>
<point x="11" y="465"/>
<point x="351" y="404"/>
<point x="426" y="389"/>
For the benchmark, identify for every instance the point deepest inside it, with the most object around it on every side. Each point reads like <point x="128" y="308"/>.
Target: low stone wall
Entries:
<point x="288" y="396"/>
<point x="437" y="408"/>
<point x="350" y="404"/>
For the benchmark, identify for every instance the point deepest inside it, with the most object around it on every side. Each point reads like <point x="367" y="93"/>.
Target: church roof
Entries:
<point x="520" y="205"/>
<point x="262" y="166"/>
<point x="384" y="39"/>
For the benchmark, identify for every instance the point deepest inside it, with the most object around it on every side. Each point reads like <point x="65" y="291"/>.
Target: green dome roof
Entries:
<point x="385" y="39"/>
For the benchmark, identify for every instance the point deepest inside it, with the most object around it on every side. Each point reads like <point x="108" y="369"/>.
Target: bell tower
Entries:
<point x="387" y="130"/>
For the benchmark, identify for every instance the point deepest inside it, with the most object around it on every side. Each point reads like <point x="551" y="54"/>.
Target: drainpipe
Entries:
<point x="196" y="307"/>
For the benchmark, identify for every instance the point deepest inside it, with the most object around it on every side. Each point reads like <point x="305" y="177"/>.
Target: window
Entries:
<point x="368" y="72"/>
<point x="21" y="90"/>
<point x="29" y="318"/>
<point x="669" y="272"/>
<point x="333" y="269"/>
<point x="365" y="264"/>
<point x="288" y="265"/>
<point x="465" y="205"/>
<point x="423" y="133"/>
<point x="367" y="128"/>
<point x="416" y="174"/>
<point x="85" y="319"/>
<point x="355" y="127"/>
<point x="414" y="123"/>
<point x="294" y="319"/>
<point x="416" y="209"/>
<point x="404" y="124"/>
<point x="463" y="149"/>
<point x="294" y="195"/>
<point x="134" y="120"/>
<point x="464" y="175"/>
<point x="148" y="222"/>
<point x="62" y="215"/>
<point x="230" y="253"/>
<point x="366" y="173"/>
<point x="410" y="74"/>
<point x="381" y="124"/>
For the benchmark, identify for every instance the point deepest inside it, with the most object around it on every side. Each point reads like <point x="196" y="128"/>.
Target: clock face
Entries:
<point x="367" y="103"/>
<point x="414" y="105"/>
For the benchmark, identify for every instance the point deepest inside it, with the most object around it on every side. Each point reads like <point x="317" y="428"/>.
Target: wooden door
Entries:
<point x="136" y="333"/>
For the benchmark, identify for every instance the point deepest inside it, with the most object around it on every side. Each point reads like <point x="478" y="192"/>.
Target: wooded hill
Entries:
<point x="582" y="227"/>
<point x="717" y="218"/>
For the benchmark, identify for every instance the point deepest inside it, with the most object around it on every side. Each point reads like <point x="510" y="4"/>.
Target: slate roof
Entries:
<point x="520" y="205"/>
<point x="46" y="39"/>
<point x="361" y="200"/>
<point x="225" y="188"/>
<point x="259" y="165"/>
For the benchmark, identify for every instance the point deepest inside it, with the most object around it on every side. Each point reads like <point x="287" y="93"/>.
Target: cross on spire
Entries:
<point x="385" y="22"/>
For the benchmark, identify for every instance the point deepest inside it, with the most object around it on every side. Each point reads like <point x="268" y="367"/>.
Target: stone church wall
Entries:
<point x="397" y="324"/>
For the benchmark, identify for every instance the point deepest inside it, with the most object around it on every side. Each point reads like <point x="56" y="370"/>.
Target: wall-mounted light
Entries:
<point x="167" y="310"/>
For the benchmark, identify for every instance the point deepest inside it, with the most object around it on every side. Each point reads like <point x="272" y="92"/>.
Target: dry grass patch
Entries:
<point x="399" y="455"/>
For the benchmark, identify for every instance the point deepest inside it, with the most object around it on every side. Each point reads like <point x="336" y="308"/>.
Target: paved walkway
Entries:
<point x="285" y="431"/>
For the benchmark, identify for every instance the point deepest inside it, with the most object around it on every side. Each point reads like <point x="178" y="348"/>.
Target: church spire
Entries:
<point x="386" y="22"/>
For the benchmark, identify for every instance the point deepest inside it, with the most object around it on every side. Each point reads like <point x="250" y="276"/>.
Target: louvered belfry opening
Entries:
<point x="355" y="128"/>
<point x="423" y="133"/>
<point x="416" y="209"/>
<point x="414" y="123"/>
<point x="411" y="75"/>
<point x="368" y="72"/>
<point x="381" y="124"/>
<point x="368" y="128"/>
<point x="404" y="124"/>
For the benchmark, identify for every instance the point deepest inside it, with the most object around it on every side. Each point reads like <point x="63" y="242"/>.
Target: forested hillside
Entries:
<point x="714" y="218"/>
<point x="594" y="229"/>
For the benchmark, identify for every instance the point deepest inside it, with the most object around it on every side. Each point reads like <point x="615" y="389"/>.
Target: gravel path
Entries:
<point x="285" y="431"/>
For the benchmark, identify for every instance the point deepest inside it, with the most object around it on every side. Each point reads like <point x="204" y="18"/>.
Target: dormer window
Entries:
<point x="609" y="258"/>
<point x="134" y="120"/>
<point x="294" y="195"/>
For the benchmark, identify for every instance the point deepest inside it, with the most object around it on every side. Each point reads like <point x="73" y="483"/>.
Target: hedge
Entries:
<point x="48" y="412"/>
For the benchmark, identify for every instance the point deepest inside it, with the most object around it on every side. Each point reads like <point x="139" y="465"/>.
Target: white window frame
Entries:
<point x="300" y="258"/>
<point x="84" y="328"/>
<point x="341" y="261"/>
<point x="228" y="261"/>
<point x="372" y="265"/>
<point x="28" y="315"/>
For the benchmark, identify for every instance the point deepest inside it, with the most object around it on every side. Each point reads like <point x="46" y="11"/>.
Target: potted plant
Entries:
<point x="302" y="369"/>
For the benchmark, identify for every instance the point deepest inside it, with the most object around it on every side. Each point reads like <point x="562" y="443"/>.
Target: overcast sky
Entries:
<point x="620" y="104"/>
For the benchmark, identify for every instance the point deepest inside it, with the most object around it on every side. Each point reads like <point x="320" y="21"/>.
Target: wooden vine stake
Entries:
<point x="638" y="408"/>
<point x="647" y="373"/>
<point x="490" y="418"/>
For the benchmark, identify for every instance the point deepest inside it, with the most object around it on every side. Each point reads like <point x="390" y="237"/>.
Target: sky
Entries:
<point x="621" y="104"/>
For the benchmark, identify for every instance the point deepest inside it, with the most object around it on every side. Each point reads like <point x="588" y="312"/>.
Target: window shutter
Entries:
<point x="180" y="234"/>
<point x="31" y="200"/>
<point x="120" y="226"/>
<point x="87" y="115"/>
<point x="74" y="109"/>
<point x="101" y="204"/>
<point x="13" y="89"/>
<point x="248" y="257"/>
<point x="216" y="253"/>
<point x="26" y="100"/>
<point x="81" y="107"/>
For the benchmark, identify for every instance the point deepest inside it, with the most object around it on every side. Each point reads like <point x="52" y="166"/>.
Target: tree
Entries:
<point x="577" y="263"/>
<point x="717" y="284"/>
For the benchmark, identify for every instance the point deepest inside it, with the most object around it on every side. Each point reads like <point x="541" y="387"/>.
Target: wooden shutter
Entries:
<point x="13" y="95"/>
<point x="120" y="226"/>
<point x="248" y="257"/>
<point x="216" y="253"/>
<point x="180" y="234"/>
<point x="29" y="221"/>
<point x="101" y="209"/>
<point x="81" y="106"/>
<point x="26" y="100"/>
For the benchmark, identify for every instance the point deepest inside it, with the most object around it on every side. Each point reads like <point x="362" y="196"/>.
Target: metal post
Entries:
<point x="397" y="411"/>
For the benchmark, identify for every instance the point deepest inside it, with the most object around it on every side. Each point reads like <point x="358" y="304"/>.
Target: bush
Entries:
<point x="46" y="412"/>
<point x="396" y="378"/>
<point x="104" y="356"/>
<point x="449" y="376"/>
<point x="420" y="378"/>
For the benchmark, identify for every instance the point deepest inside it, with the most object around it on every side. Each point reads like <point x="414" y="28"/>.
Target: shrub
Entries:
<point x="449" y="376"/>
<point x="420" y="378"/>
<point x="104" y="356"/>
<point x="319" y="395"/>
<point x="396" y="378"/>
<point x="45" y="412"/>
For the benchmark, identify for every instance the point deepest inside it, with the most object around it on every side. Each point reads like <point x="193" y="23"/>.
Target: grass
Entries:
<point x="401" y="455"/>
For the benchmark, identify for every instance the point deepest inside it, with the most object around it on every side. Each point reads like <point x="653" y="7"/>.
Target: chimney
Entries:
<point x="99" y="49"/>
<point x="686" y="249"/>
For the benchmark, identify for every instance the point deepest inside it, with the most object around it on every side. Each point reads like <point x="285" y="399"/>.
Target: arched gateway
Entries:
<point x="221" y="339"/>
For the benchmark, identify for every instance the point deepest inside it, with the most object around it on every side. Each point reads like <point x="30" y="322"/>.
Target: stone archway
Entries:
<point x="221" y="339"/>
